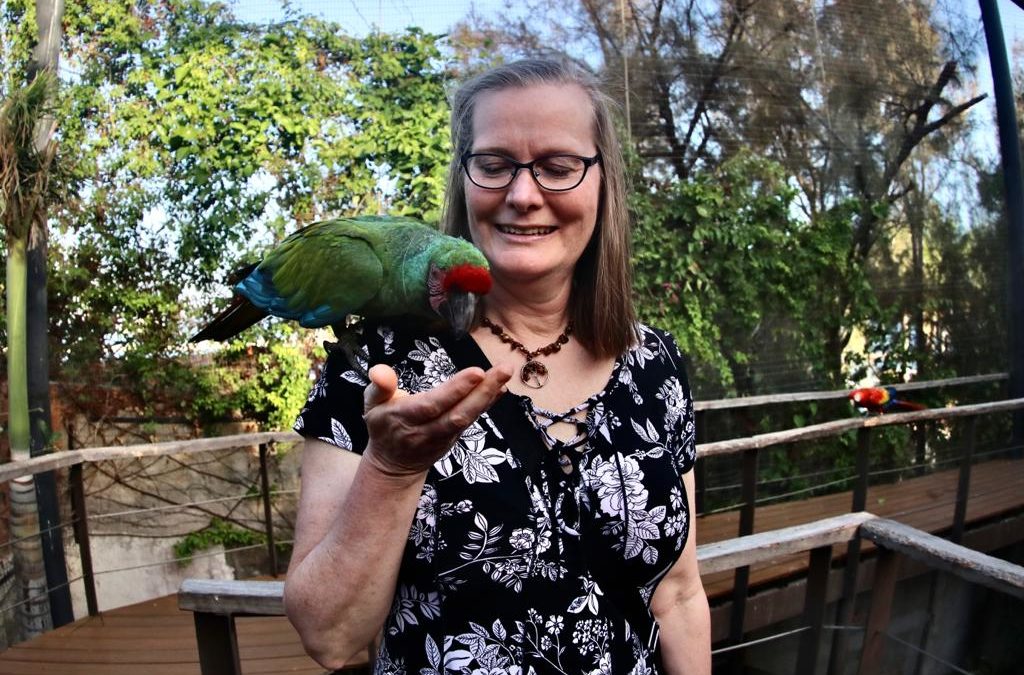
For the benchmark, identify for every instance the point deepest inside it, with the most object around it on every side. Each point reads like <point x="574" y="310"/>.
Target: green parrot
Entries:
<point x="376" y="267"/>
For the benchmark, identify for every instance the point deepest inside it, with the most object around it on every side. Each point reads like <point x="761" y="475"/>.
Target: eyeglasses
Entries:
<point x="554" y="173"/>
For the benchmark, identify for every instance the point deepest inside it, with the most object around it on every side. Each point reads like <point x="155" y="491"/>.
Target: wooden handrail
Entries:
<point x="795" y="397"/>
<point x="216" y="603"/>
<point x="265" y="598"/>
<point x="836" y="427"/>
<point x="765" y="546"/>
<point x="60" y="460"/>
<point x="944" y="555"/>
<point x="233" y="598"/>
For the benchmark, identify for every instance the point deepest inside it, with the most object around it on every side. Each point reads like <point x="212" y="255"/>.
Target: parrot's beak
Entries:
<point x="458" y="310"/>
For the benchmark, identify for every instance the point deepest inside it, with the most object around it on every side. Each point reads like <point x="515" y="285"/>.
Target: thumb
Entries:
<point x="382" y="387"/>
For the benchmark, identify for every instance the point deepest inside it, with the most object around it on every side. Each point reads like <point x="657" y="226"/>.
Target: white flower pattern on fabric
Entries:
<point x="470" y="457"/>
<point x="494" y="580"/>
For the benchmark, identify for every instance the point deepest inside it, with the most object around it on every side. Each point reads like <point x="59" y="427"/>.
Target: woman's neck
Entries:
<point x="526" y="311"/>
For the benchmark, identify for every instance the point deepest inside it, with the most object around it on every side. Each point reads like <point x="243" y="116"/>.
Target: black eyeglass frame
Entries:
<point x="517" y="166"/>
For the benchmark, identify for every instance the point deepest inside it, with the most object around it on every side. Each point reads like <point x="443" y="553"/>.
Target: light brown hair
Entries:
<point x="601" y="304"/>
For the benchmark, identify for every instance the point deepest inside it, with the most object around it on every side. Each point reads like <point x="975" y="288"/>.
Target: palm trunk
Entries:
<point x="34" y="610"/>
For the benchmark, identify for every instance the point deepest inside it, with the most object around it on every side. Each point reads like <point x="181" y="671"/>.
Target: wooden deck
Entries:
<point x="155" y="638"/>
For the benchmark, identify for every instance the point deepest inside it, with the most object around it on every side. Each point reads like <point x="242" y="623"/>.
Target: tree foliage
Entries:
<point x="779" y="145"/>
<point x="199" y="139"/>
<point x="849" y="98"/>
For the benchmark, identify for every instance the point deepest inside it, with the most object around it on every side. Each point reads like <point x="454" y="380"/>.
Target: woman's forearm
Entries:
<point x="686" y="636"/>
<point x="338" y="594"/>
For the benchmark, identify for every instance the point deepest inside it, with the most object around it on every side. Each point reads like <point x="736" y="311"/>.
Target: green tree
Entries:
<point x="844" y="95"/>
<point x="25" y="188"/>
<point x="724" y="262"/>
<point x="199" y="139"/>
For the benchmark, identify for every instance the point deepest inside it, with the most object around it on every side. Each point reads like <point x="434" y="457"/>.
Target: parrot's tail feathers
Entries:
<point x="908" y="406"/>
<point x="235" y="318"/>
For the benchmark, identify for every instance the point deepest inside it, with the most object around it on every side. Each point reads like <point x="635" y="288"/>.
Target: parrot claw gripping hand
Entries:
<point x="376" y="267"/>
<point x="879" y="400"/>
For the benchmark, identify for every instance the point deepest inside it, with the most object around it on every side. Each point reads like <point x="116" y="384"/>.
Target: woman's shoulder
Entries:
<point x="657" y="339"/>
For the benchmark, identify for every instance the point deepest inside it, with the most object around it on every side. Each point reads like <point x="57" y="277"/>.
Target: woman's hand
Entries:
<point x="408" y="433"/>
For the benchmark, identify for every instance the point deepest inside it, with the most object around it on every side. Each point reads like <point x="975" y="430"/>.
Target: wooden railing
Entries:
<point x="748" y="448"/>
<point x="216" y="604"/>
<point x="74" y="460"/>
<point x="800" y="396"/>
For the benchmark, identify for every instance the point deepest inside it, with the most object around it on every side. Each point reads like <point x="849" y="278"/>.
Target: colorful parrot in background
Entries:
<point x="882" y="400"/>
<point x="372" y="266"/>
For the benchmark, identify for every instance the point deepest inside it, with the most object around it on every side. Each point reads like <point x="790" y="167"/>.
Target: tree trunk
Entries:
<point x="34" y="609"/>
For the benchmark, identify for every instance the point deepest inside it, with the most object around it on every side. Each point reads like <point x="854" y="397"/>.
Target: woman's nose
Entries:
<point x="524" y="193"/>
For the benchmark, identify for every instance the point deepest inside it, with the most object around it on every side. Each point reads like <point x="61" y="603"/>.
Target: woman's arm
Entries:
<point x="355" y="511"/>
<point x="681" y="608"/>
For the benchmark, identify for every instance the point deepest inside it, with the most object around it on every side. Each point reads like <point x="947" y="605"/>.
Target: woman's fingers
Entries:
<point x="382" y="387"/>
<point x="430" y="421"/>
<point x="465" y="410"/>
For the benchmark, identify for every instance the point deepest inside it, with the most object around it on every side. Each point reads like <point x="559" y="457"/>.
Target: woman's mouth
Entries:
<point x="531" y="231"/>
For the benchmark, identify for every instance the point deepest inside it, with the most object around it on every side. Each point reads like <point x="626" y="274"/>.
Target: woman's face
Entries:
<point x="526" y="232"/>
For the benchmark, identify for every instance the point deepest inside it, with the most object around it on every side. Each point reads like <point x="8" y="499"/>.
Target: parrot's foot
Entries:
<point x="347" y="349"/>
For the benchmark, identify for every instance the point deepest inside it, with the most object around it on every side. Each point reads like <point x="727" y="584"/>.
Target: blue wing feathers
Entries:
<point x="259" y="289"/>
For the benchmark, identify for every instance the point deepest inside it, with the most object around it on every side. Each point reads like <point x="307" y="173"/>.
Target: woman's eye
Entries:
<point x="494" y="168"/>
<point x="559" y="166"/>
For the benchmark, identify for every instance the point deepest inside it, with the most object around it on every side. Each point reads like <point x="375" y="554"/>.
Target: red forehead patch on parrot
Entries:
<point x="468" y="278"/>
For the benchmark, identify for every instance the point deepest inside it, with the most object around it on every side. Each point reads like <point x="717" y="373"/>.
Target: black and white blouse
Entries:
<point x="515" y="565"/>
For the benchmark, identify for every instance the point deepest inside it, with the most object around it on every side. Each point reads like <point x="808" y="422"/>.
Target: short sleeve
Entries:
<point x="334" y="410"/>
<point x="684" y="450"/>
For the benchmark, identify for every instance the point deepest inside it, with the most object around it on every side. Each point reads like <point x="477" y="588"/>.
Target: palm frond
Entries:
<point x="26" y="170"/>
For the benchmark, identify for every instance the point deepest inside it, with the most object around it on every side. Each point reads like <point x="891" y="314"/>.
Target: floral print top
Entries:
<point x="513" y="566"/>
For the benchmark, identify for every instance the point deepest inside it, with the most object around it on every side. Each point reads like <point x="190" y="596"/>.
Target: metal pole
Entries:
<point x="82" y="536"/>
<point x="814" y="609"/>
<point x="1013" y="180"/>
<point x="268" y="519"/>
<point x="964" y="483"/>
<point x="844" y="610"/>
<point x="45" y="57"/>
<point x="217" y="640"/>
<point x="741" y="578"/>
<point x="886" y="568"/>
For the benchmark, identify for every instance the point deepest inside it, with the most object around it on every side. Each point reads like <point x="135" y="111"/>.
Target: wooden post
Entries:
<point x="964" y="483"/>
<point x="81" y="520"/>
<point x="814" y="609"/>
<point x="218" y="644"/>
<point x="886" y="567"/>
<point x="741" y="578"/>
<point x="268" y="518"/>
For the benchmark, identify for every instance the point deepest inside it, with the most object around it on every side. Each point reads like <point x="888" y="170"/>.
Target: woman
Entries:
<point x="517" y="502"/>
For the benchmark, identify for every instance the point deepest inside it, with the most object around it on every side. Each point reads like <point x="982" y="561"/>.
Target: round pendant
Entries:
<point x="534" y="374"/>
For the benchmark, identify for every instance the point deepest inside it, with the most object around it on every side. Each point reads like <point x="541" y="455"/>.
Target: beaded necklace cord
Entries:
<point x="533" y="374"/>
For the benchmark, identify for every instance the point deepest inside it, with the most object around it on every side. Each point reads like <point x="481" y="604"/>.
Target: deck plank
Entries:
<point x="156" y="638"/>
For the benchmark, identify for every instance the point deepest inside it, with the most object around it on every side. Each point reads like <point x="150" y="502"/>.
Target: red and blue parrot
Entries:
<point x="878" y="400"/>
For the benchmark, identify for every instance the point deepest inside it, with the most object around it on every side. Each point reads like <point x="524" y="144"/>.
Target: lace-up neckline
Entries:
<point x="577" y="416"/>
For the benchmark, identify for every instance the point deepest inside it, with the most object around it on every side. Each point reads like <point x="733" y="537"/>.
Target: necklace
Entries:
<point x="533" y="374"/>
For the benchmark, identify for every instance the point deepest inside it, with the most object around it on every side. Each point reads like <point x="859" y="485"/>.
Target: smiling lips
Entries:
<point x="525" y="231"/>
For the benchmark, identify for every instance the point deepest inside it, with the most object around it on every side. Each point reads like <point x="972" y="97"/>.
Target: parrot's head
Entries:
<point x="869" y="396"/>
<point x="457" y="278"/>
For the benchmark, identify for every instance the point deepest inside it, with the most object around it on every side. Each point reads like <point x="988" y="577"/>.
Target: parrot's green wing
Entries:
<point x="318" y="275"/>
